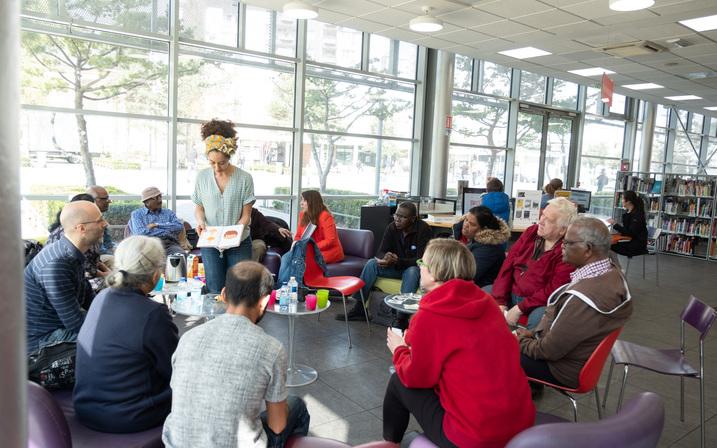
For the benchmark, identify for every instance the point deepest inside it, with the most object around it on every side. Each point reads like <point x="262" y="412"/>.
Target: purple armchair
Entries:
<point x="52" y="423"/>
<point x="358" y="249"/>
<point x="638" y="425"/>
<point x="319" y="442"/>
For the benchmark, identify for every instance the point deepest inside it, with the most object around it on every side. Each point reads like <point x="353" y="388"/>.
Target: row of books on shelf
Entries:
<point x="688" y="207"/>
<point x="641" y="184"/>
<point x="685" y="245"/>
<point x="687" y="226"/>
<point x="689" y="187"/>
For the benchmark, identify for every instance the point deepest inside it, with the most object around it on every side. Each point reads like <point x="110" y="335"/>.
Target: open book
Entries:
<point x="221" y="237"/>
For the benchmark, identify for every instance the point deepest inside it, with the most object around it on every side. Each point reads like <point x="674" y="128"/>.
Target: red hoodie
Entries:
<point x="462" y="348"/>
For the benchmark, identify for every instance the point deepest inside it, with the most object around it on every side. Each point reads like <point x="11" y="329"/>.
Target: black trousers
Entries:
<point x="398" y="405"/>
<point x="538" y="369"/>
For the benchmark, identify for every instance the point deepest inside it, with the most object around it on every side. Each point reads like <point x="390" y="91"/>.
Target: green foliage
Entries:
<point x="346" y="212"/>
<point x="118" y="164"/>
<point x="119" y="211"/>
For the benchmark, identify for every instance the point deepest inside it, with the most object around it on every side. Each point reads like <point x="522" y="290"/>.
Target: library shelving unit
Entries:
<point x="682" y="205"/>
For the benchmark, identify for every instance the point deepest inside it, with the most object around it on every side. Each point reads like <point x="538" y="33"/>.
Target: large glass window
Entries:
<point x="463" y="73"/>
<point x="495" y="79"/>
<point x="333" y="44"/>
<point x="533" y="87"/>
<point x="209" y="21"/>
<point x="269" y="32"/>
<point x="601" y="154"/>
<point x="392" y="57"/>
<point x="565" y="94"/>
<point x="475" y="165"/>
<point x="480" y="120"/>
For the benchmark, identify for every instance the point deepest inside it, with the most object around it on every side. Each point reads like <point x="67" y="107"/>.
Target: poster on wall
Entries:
<point x="527" y="208"/>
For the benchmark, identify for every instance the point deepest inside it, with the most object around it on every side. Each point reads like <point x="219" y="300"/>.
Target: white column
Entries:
<point x="13" y="385"/>
<point x="648" y="132"/>
<point x="440" y="135"/>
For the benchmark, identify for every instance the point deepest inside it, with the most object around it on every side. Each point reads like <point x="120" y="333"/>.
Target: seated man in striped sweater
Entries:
<point x="55" y="284"/>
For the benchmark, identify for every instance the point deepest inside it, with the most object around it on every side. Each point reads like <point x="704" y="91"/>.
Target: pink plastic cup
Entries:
<point x="311" y="302"/>
<point x="272" y="299"/>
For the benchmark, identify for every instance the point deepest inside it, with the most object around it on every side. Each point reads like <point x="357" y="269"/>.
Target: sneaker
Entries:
<point x="355" y="314"/>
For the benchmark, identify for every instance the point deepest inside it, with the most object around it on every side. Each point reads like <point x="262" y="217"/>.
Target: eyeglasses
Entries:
<point x="400" y="216"/>
<point x="102" y="198"/>
<point x="570" y="243"/>
<point x="98" y="221"/>
<point x="421" y="264"/>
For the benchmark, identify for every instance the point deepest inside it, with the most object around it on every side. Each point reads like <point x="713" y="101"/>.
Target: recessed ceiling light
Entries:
<point x="426" y="23"/>
<point x="591" y="71"/>
<point x="300" y="10"/>
<point x="711" y="108"/>
<point x="630" y="5"/>
<point x="525" y="52"/>
<point x="643" y="86"/>
<point x="701" y="23"/>
<point x="683" y="97"/>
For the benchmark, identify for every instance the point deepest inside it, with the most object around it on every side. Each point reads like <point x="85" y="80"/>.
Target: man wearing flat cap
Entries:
<point x="153" y="220"/>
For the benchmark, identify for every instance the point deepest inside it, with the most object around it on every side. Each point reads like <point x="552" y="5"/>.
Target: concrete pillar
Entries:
<point x="13" y="385"/>
<point x="648" y="132"/>
<point x="440" y="135"/>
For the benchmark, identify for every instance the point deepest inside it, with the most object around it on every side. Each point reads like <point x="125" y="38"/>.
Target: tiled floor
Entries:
<point x="345" y="402"/>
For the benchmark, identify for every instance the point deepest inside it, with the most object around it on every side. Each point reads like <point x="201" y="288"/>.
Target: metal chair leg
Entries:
<point x="346" y="318"/>
<point x="682" y="398"/>
<point x="607" y="385"/>
<point x="365" y="311"/>
<point x="575" y="408"/>
<point x="597" y="403"/>
<point x="622" y="389"/>
<point x="702" y="411"/>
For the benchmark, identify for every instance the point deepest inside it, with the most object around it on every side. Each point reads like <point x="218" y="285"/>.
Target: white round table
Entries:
<point x="297" y="374"/>
<point x="207" y="308"/>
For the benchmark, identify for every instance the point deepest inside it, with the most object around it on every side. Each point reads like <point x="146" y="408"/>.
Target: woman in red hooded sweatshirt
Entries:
<point x="458" y="368"/>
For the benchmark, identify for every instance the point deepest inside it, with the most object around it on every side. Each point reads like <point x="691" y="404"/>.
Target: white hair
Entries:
<point x="594" y="232"/>
<point x="566" y="209"/>
<point x="136" y="261"/>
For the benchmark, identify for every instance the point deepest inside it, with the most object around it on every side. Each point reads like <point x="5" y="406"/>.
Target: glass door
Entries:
<point x="543" y="143"/>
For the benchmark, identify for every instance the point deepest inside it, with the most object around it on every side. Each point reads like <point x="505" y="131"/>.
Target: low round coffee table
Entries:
<point x="209" y="307"/>
<point x="404" y="303"/>
<point x="297" y="374"/>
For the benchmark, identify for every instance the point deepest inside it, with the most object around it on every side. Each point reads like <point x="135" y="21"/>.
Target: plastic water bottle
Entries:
<point x="182" y="289"/>
<point x="293" y="294"/>
<point x="284" y="299"/>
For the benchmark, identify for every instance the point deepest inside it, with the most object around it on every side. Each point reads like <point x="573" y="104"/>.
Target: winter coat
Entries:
<point x="498" y="203"/>
<point x="488" y="249"/>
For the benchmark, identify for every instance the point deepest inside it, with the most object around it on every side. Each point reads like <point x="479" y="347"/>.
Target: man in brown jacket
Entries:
<point x="579" y="314"/>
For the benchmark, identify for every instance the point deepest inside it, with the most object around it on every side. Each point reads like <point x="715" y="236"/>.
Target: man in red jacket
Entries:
<point x="534" y="267"/>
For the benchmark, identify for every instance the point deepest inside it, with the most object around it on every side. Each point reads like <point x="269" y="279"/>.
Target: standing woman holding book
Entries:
<point x="325" y="235"/>
<point x="223" y="196"/>
<point x="633" y="225"/>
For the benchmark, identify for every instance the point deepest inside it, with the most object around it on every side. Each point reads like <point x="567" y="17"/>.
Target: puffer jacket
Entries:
<point x="488" y="249"/>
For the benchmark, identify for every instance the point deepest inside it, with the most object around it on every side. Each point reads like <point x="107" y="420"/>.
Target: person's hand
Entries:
<point x="521" y="332"/>
<point x="610" y="221"/>
<point x="152" y="225"/>
<point x="393" y="341"/>
<point x="381" y="262"/>
<point x="503" y="308"/>
<point x="286" y="233"/>
<point x="201" y="227"/>
<point x="390" y="258"/>
<point x="102" y="270"/>
<point x="512" y="315"/>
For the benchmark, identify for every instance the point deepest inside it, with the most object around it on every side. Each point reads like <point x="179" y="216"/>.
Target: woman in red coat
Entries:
<point x="458" y="368"/>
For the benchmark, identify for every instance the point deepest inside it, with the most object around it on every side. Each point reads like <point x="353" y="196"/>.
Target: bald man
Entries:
<point x="55" y="285"/>
<point x="103" y="201"/>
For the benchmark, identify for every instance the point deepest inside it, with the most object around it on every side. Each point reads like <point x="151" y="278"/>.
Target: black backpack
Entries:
<point x="32" y="248"/>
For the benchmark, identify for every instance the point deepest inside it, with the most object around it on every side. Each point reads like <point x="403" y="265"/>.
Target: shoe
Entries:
<point x="355" y="314"/>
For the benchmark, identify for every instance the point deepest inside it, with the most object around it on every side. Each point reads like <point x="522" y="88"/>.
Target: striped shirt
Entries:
<point x="55" y="286"/>
<point x="224" y="209"/>
<point x="168" y="225"/>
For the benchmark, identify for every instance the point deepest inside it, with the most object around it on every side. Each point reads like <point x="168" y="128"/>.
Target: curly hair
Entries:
<point x="225" y="128"/>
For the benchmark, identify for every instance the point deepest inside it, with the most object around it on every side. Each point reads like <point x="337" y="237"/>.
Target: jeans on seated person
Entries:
<point x="297" y="423"/>
<point x="216" y="266"/>
<point x="534" y="317"/>
<point x="58" y="336"/>
<point x="410" y="277"/>
<point x="283" y="276"/>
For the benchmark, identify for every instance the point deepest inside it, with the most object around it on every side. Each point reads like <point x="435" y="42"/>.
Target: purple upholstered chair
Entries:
<point x="669" y="361"/>
<point x="358" y="249"/>
<point x="638" y="425"/>
<point x="52" y="423"/>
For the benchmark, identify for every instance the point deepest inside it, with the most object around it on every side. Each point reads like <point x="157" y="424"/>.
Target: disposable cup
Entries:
<point x="322" y="298"/>
<point x="311" y="300"/>
<point x="272" y="299"/>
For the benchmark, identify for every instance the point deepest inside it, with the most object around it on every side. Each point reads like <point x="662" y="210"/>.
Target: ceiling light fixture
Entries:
<point x="595" y="71"/>
<point x="525" y="52"/>
<point x="711" y="108"/>
<point x="683" y="97"/>
<point x="426" y="23"/>
<point x="700" y="24"/>
<point x="643" y="86"/>
<point x="630" y="5"/>
<point x="300" y="10"/>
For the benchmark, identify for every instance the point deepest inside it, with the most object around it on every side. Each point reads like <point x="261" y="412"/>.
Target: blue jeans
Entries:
<point x="410" y="277"/>
<point x="283" y="276"/>
<point x="58" y="336"/>
<point x="297" y="423"/>
<point x="536" y="314"/>
<point x="216" y="265"/>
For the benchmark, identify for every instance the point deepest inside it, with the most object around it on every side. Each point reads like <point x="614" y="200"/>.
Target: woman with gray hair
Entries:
<point x="446" y="363"/>
<point x="534" y="267"/>
<point x="125" y="346"/>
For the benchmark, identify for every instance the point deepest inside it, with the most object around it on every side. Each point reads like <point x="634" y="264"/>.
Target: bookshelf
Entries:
<point x="682" y="205"/>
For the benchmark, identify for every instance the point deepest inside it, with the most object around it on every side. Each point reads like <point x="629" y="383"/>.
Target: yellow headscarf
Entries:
<point x="216" y="142"/>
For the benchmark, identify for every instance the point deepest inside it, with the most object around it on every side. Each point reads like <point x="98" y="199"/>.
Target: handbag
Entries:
<point x="53" y="367"/>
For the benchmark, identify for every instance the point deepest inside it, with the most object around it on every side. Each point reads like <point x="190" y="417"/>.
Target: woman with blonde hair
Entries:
<point x="125" y="346"/>
<point x="223" y="196"/>
<point x="458" y="366"/>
